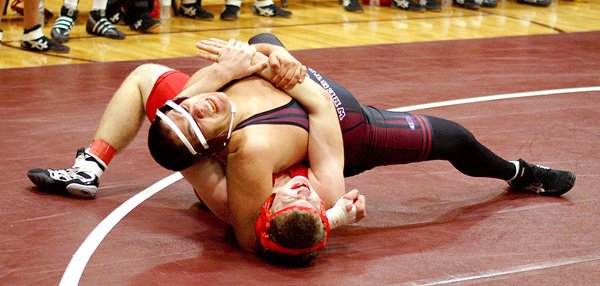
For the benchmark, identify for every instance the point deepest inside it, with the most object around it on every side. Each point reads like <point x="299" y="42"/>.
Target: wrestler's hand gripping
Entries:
<point x="347" y="210"/>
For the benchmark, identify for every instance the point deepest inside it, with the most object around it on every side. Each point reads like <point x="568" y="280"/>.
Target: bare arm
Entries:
<point x="249" y="184"/>
<point x="231" y="63"/>
<point x="209" y="182"/>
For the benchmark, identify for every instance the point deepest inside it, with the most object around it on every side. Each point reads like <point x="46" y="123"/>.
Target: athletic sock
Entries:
<point x="517" y="169"/>
<point x="99" y="4"/>
<point x="71" y="4"/>
<point x="237" y="3"/>
<point x="101" y="151"/>
<point x="263" y="3"/>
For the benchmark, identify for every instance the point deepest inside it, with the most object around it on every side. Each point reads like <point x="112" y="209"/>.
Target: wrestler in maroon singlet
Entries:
<point x="372" y="137"/>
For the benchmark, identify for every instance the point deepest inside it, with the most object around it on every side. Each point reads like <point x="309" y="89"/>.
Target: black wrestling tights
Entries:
<point x="454" y="143"/>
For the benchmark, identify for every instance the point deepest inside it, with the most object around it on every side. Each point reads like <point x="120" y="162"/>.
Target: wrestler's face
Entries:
<point x="210" y="111"/>
<point x="296" y="192"/>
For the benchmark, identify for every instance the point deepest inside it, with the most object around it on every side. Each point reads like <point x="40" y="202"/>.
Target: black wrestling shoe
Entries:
<point x="469" y="4"/>
<point x="230" y="13"/>
<point x="195" y="11"/>
<point x="97" y="24"/>
<point x="43" y="44"/>
<point x="61" y="30"/>
<point x="270" y="11"/>
<point x="145" y="24"/>
<point x="352" y="6"/>
<point x="541" y="3"/>
<point x="114" y="13"/>
<point x="80" y="181"/>
<point x="542" y="180"/>
<point x="409" y="5"/>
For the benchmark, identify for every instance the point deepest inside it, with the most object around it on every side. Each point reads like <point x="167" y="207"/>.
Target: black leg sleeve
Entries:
<point x="265" y="38"/>
<point x="454" y="143"/>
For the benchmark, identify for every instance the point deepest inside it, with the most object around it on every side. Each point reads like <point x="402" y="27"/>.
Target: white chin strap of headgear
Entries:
<point x="188" y="117"/>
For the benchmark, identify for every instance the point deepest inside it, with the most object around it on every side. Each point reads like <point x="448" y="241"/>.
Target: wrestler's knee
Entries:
<point x="151" y="70"/>
<point x="450" y="138"/>
<point x="146" y="75"/>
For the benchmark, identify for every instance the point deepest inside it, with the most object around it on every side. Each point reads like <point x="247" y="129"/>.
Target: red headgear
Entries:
<point x="263" y="225"/>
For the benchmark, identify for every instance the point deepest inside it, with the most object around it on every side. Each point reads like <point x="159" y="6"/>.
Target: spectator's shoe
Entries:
<point x="489" y="3"/>
<point x="352" y="6"/>
<point x="64" y="24"/>
<point x="1" y="33"/>
<point x="80" y="181"/>
<point x="195" y="11"/>
<point x="114" y="13"/>
<point x="433" y="5"/>
<point x="99" y="25"/>
<point x="469" y="4"/>
<point x="270" y="11"/>
<point x="145" y="24"/>
<point x="230" y="13"/>
<point x="542" y="180"/>
<point x="409" y="5"/>
<point x="541" y="3"/>
<point x="35" y="41"/>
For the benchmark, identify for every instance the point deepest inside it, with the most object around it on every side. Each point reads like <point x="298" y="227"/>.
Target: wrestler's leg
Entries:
<point x="119" y="125"/>
<point x="400" y="138"/>
<point x="126" y="109"/>
<point x="454" y="143"/>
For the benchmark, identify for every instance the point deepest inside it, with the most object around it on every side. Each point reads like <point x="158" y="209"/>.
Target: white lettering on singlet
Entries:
<point x="334" y="98"/>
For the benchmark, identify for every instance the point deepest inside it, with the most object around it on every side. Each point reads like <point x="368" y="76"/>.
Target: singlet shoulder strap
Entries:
<point x="291" y="113"/>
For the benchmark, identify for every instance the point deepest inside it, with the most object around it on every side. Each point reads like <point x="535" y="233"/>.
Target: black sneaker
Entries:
<point x="230" y="13"/>
<point x="195" y="11"/>
<point x="469" y="4"/>
<point x="270" y="11"/>
<point x="541" y="3"/>
<point x="145" y="24"/>
<point x="352" y="6"/>
<point x="409" y="5"/>
<point x="74" y="181"/>
<point x="542" y="180"/>
<point x="44" y="44"/>
<point x="64" y="24"/>
<point x="99" y="25"/>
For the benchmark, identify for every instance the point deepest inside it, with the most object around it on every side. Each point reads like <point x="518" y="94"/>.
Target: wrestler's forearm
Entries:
<point x="266" y="49"/>
<point x="325" y="145"/>
<point x="207" y="79"/>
